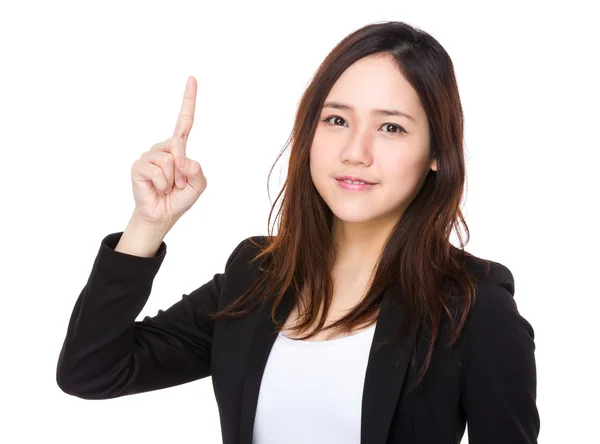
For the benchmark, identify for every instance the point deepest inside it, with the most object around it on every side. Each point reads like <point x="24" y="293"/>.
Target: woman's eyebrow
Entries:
<point x="374" y="112"/>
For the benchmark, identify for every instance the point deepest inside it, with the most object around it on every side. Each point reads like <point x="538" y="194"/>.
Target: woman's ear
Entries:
<point x="434" y="164"/>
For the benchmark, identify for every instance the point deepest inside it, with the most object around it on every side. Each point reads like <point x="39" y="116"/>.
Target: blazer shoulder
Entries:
<point x="241" y="258"/>
<point x="495" y="286"/>
<point x="241" y="270"/>
<point x="494" y="313"/>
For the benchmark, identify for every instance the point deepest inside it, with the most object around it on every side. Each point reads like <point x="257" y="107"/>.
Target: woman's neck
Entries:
<point x="359" y="245"/>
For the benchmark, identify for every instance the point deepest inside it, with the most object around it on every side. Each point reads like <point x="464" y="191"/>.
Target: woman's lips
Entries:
<point x="355" y="186"/>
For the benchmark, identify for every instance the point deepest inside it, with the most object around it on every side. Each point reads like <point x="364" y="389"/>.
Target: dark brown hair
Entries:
<point x="418" y="254"/>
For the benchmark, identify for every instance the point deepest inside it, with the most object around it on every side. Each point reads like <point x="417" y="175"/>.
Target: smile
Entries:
<point x="354" y="186"/>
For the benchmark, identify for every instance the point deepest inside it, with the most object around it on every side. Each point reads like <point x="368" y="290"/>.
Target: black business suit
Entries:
<point x="487" y="379"/>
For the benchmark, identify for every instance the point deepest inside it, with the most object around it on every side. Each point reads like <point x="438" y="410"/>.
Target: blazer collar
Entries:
<point x="385" y="375"/>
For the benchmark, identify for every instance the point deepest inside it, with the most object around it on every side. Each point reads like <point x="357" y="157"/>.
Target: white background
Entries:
<point x="86" y="87"/>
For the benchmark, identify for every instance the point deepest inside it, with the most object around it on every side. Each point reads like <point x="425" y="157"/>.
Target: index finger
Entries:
<point x="188" y="107"/>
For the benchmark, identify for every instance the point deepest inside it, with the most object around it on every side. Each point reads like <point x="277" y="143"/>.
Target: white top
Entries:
<point x="311" y="391"/>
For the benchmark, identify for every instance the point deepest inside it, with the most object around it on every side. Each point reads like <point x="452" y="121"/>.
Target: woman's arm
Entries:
<point x="107" y="354"/>
<point x="499" y="392"/>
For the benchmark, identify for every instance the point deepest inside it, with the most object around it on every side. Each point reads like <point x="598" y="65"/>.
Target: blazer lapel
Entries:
<point x="386" y="370"/>
<point x="384" y="378"/>
<point x="263" y="338"/>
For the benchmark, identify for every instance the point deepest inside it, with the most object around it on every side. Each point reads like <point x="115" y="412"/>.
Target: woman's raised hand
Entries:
<point x="163" y="188"/>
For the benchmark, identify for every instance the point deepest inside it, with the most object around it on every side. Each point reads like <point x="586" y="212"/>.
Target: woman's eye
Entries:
<point x="334" y="120"/>
<point x="328" y="120"/>
<point x="398" y="130"/>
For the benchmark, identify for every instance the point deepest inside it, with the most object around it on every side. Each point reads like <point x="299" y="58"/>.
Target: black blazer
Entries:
<point x="487" y="380"/>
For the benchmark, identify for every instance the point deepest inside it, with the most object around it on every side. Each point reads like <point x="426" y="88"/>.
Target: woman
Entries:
<point x="358" y="321"/>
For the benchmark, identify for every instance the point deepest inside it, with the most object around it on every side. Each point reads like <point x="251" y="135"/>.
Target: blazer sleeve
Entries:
<point x="107" y="354"/>
<point x="499" y="391"/>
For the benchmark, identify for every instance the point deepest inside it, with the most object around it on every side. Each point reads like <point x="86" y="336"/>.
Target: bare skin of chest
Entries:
<point x="344" y="299"/>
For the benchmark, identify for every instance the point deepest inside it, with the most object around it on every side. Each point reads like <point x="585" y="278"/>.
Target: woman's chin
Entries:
<point x="354" y="215"/>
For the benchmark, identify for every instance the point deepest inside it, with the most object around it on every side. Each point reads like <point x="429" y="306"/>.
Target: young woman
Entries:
<point x="359" y="321"/>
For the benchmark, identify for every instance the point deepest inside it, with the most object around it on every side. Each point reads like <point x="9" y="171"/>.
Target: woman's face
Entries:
<point x="352" y="139"/>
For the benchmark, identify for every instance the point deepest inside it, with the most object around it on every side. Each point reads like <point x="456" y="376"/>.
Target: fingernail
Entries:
<point x="181" y="181"/>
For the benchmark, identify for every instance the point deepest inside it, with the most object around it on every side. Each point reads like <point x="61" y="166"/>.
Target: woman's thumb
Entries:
<point x="192" y="171"/>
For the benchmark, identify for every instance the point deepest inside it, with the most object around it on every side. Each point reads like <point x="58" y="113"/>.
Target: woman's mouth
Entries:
<point x="355" y="185"/>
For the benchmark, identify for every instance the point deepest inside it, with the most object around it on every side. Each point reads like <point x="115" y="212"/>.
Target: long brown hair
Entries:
<point x="418" y="254"/>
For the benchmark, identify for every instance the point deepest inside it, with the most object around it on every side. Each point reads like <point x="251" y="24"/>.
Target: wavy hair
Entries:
<point x="418" y="254"/>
